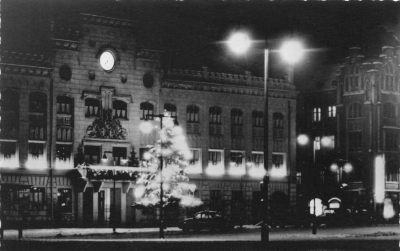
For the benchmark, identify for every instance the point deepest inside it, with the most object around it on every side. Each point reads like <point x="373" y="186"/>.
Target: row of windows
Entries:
<point x="354" y="82"/>
<point x="354" y="110"/>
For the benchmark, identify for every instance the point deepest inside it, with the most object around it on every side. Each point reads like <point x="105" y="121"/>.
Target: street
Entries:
<point x="383" y="237"/>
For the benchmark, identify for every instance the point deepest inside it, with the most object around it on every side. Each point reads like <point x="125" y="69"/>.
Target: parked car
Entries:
<point x="345" y="217"/>
<point x="210" y="220"/>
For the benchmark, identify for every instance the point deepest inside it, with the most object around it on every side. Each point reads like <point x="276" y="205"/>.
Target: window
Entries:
<point x="316" y="114"/>
<point x="257" y="159"/>
<point x="355" y="140"/>
<point x="64" y="200"/>
<point x="64" y="105"/>
<point x="120" y="109"/>
<point x="37" y="116"/>
<point x="119" y="155"/>
<point x="92" y="107"/>
<point x="331" y="111"/>
<point x="278" y="165"/>
<point x="36" y="195"/>
<point x="388" y="77"/>
<point x="236" y="202"/>
<point x="146" y="109"/>
<point x="215" y="162"/>
<point x="354" y="111"/>
<point x="36" y="150"/>
<point x="389" y="110"/>
<point x="236" y="117"/>
<point x="63" y="152"/>
<point x="278" y="126"/>
<point x="195" y="162"/>
<point x="92" y="154"/>
<point x="215" y="115"/>
<point x="391" y="140"/>
<point x="171" y="109"/>
<point x="331" y="144"/>
<point x="391" y="169"/>
<point x="9" y="118"/>
<point x="215" y="199"/>
<point x="7" y="149"/>
<point x="192" y="113"/>
<point x="215" y="157"/>
<point x="258" y="118"/>
<point x="237" y="158"/>
<point x="317" y="143"/>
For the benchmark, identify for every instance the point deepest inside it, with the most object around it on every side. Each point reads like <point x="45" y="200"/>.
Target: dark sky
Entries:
<point x="191" y="32"/>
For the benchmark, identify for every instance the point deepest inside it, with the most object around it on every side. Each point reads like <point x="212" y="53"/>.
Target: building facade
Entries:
<point x="71" y="144"/>
<point x="354" y="131"/>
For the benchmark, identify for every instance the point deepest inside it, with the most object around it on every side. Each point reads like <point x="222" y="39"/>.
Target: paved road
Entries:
<point x="361" y="238"/>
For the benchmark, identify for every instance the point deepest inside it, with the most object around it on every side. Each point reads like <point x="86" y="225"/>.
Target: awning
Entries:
<point x="16" y="186"/>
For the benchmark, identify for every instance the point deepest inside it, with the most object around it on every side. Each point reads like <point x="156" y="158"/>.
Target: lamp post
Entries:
<point x="145" y="128"/>
<point x="291" y="52"/>
<point x="114" y="214"/>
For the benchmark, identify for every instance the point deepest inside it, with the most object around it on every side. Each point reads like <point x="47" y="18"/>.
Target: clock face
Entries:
<point x="107" y="60"/>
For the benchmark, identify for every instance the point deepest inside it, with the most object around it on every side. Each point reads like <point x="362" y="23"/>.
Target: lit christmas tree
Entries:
<point x="172" y="149"/>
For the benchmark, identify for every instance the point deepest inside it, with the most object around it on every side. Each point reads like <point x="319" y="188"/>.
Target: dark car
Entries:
<point x="210" y="220"/>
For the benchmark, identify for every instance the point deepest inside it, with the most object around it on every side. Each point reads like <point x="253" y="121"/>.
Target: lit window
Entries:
<point x="258" y="118"/>
<point x="215" y="115"/>
<point x="192" y="113"/>
<point x="195" y="165"/>
<point x="317" y="143"/>
<point x="120" y="109"/>
<point x="145" y="110"/>
<point x="236" y="117"/>
<point x="316" y="114"/>
<point x="332" y="111"/>
<point x="215" y="162"/>
<point x="171" y="109"/>
<point x="92" y="107"/>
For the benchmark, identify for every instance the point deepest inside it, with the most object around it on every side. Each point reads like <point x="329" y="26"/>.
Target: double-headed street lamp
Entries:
<point x="291" y="52"/>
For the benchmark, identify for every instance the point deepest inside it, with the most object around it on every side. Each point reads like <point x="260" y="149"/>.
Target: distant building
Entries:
<point x="86" y="102"/>
<point x="358" y="110"/>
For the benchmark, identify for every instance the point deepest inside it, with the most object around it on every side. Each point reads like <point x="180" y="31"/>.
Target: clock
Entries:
<point x="107" y="60"/>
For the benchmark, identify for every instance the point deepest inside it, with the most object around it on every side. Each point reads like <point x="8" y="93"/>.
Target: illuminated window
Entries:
<point x="237" y="158"/>
<point x="92" y="107"/>
<point x="192" y="113"/>
<point x="277" y="160"/>
<point x="120" y="109"/>
<point x="7" y="149"/>
<point x="171" y="109"/>
<point x="37" y="195"/>
<point x="331" y="144"/>
<point x="37" y="116"/>
<point x="331" y="111"/>
<point x="257" y="159"/>
<point x="119" y="155"/>
<point x="215" y="115"/>
<point x="236" y="117"/>
<point x="145" y="110"/>
<point x="317" y="143"/>
<point x="215" y="157"/>
<point x="316" y="114"/>
<point x="63" y="152"/>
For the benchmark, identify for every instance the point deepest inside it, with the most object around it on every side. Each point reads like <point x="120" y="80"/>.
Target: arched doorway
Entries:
<point x="279" y="209"/>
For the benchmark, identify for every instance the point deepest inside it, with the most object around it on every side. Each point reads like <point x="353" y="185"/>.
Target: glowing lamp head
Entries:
<point x="292" y="51"/>
<point x="326" y="141"/>
<point x="239" y="42"/>
<point x="146" y="127"/>
<point x="334" y="167"/>
<point x="348" y="167"/>
<point x="302" y="139"/>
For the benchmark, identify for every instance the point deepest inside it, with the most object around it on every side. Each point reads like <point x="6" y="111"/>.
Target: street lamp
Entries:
<point x="146" y="128"/>
<point x="114" y="214"/>
<point x="291" y="52"/>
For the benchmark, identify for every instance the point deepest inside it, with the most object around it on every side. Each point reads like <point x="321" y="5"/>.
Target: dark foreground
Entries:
<point x="99" y="245"/>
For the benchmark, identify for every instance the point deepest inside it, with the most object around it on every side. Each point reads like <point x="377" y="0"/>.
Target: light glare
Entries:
<point x="292" y="51"/>
<point x="239" y="42"/>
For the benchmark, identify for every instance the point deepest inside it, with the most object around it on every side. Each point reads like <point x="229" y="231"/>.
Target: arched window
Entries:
<point x="171" y="109"/>
<point x="389" y="110"/>
<point x="354" y="111"/>
<point x="120" y="109"/>
<point x="192" y="113"/>
<point x="258" y="118"/>
<point x="92" y="107"/>
<point x="215" y="115"/>
<point x="236" y="117"/>
<point x="64" y="105"/>
<point x="146" y="109"/>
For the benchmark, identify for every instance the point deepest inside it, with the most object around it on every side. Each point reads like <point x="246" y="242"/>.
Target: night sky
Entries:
<point x="192" y="32"/>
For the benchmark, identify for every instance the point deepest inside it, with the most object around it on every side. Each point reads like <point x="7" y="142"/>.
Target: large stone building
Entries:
<point x="355" y="112"/>
<point x="88" y="99"/>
